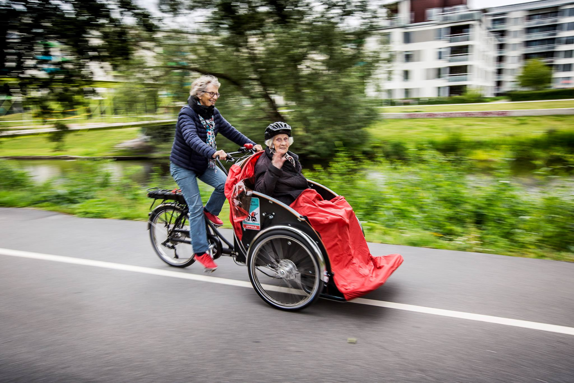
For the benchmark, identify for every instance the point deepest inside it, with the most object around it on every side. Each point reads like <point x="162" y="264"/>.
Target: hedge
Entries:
<point x="549" y="94"/>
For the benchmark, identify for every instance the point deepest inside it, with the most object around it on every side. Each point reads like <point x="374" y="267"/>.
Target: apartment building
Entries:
<point x="541" y="29"/>
<point x="438" y="48"/>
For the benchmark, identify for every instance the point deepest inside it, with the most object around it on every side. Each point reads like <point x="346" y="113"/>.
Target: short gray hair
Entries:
<point x="269" y="142"/>
<point x="200" y="84"/>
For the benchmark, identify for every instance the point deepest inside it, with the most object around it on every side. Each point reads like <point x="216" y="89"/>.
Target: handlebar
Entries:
<point x="246" y="149"/>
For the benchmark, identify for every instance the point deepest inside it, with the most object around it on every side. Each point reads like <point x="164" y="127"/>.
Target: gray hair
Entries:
<point x="200" y="84"/>
<point x="269" y="142"/>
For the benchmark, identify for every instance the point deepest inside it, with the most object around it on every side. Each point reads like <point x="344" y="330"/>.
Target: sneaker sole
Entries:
<point x="208" y="271"/>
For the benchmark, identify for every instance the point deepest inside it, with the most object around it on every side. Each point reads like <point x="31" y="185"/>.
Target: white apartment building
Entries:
<point x="450" y="50"/>
<point x="541" y="29"/>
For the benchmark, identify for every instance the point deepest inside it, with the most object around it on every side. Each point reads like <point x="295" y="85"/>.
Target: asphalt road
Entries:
<point x="458" y="322"/>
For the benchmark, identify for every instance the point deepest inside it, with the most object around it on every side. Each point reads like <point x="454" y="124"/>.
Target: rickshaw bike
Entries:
<point x="286" y="259"/>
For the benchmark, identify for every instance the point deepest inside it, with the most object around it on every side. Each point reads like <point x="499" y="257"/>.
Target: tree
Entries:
<point x="304" y="62"/>
<point x="535" y="75"/>
<point x="49" y="46"/>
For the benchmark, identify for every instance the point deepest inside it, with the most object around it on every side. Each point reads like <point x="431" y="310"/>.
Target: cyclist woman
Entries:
<point x="193" y="156"/>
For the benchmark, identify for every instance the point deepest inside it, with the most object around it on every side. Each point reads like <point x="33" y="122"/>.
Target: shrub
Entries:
<point x="549" y="94"/>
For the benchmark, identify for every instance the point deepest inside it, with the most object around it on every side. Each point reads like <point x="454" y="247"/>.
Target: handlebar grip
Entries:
<point x="248" y="146"/>
<point x="229" y="157"/>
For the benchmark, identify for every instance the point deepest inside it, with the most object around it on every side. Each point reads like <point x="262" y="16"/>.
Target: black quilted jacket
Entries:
<point x="284" y="184"/>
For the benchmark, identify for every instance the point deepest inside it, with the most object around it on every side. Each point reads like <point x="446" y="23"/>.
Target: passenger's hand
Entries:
<point x="220" y="154"/>
<point x="257" y="148"/>
<point x="278" y="160"/>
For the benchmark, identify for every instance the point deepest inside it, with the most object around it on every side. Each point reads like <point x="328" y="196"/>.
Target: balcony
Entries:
<point x="546" y="20"/>
<point x="456" y="58"/>
<point x="498" y="26"/>
<point x="458" y="77"/>
<point x="539" y="35"/>
<point x="458" y="38"/>
<point x="500" y="52"/>
<point x="459" y="16"/>
<point x="540" y="48"/>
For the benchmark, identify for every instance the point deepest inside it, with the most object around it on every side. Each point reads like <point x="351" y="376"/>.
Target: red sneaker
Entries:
<point x="213" y="218"/>
<point x="207" y="262"/>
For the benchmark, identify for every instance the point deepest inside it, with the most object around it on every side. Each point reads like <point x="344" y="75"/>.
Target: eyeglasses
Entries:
<point x="212" y="94"/>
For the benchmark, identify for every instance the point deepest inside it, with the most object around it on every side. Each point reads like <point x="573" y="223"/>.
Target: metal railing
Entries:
<point x="458" y="38"/>
<point x="546" y="20"/>
<point x="539" y="35"/>
<point x="458" y="77"/>
<point x="455" y="58"/>
<point x="498" y="26"/>
<point x="540" y="48"/>
<point x="459" y="16"/>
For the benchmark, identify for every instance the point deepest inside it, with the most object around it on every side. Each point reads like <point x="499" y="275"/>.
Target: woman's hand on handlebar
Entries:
<point x="257" y="148"/>
<point x="220" y="154"/>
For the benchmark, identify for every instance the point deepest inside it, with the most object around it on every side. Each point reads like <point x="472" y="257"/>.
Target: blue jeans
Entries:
<point x="187" y="182"/>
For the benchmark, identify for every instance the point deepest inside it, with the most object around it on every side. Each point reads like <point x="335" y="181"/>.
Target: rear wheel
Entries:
<point x="169" y="235"/>
<point x="284" y="271"/>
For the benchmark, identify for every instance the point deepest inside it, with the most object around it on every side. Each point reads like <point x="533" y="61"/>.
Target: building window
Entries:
<point x="567" y="27"/>
<point x="408" y="93"/>
<point x="409" y="57"/>
<point x="406" y="75"/>
<point x="440" y="54"/>
<point x="563" y="68"/>
<point x="406" y="37"/>
<point x="515" y="34"/>
<point x="566" y="40"/>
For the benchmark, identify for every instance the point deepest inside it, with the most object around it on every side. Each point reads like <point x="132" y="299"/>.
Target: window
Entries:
<point x="563" y="68"/>
<point x="515" y="34"/>
<point x="440" y="54"/>
<point x="516" y="20"/>
<point x="566" y="40"/>
<point x="569" y="12"/>
<point x="439" y="34"/>
<point x="567" y="27"/>
<point x="406" y="75"/>
<point x="409" y="57"/>
<point x="568" y="54"/>
<point x="406" y="37"/>
<point x="407" y="93"/>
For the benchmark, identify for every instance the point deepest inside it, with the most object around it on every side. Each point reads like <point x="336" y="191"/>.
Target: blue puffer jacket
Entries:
<point x="189" y="149"/>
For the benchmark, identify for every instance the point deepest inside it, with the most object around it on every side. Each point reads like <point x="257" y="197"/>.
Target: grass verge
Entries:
<point x="479" y="107"/>
<point x="82" y="143"/>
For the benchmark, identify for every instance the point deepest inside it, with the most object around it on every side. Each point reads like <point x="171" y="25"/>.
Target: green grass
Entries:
<point x="28" y="120"/>
<point x="86" y="143"/>
<point x="479" y="129"/>
<point x="479" y="107"/>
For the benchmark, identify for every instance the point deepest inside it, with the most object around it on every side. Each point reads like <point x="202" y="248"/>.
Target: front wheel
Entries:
<point x="169" y="235"/>
<point x="284" y="271"/>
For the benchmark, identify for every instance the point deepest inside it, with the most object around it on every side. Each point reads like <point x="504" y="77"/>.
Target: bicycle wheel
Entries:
<point x="169" y="235"/>
<point x="284" y="271"/>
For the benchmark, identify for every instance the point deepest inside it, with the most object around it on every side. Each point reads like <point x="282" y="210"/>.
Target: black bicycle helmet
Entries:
<point x="277" y="128"/>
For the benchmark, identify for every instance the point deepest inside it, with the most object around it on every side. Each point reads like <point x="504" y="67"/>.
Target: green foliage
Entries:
<point x="549" y="94"/>
<point x="295" y="62"/>
<point x="59" y="135"/>
<point x="56" y="39"/>
<point x="436" y="203"/>
<point x="535" y="75"/>
<point x="12" y="178"/>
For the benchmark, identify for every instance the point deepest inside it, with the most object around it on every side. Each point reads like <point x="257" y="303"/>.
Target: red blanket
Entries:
<point x="356" y="271"/>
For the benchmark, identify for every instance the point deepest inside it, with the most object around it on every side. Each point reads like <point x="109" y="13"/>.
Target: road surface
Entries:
<point x="87" y="300"/>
